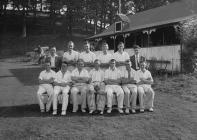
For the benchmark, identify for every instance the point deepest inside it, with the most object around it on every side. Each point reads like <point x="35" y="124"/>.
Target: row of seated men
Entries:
<point x="124" y="81"/>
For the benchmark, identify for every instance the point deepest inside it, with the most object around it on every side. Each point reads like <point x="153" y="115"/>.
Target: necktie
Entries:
<point x="129" y="74"/>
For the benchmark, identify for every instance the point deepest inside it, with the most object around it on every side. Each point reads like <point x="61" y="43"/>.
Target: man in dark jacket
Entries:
<point x="136" y="58"/>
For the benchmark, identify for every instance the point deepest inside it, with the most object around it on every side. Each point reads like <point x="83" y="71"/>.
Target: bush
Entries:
<point x="188" y="34"/>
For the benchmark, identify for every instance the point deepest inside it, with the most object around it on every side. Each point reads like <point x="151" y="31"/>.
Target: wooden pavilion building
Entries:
<point x="154" y="30"/>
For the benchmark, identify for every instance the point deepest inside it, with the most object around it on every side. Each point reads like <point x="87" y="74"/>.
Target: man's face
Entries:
<point x="112" y="64"/>
<point x="120" y="47"/>
<point x="105" y="47"/>
<point x="143" y="65"/>
<point x="71" y="46"/>
<point x="128" y="64"/>
<point x="80" y="64"/>
<point x="87" y="47"/>
<point x="52" y="51"/>
<point x="47" y="66"/>
<point x="97" y="64"/>
<point x="64" y="67"/>
<point x="136" y="51"/>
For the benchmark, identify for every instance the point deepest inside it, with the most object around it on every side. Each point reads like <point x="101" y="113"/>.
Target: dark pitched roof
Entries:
<point x="172" y="13"/>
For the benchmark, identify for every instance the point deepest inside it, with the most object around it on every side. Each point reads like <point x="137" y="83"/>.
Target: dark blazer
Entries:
<point x="58" y="63"/>
<point x="132" y="58"/>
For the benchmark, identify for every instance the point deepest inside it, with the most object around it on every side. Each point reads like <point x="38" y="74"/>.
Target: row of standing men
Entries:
<point x="111" y="74"/>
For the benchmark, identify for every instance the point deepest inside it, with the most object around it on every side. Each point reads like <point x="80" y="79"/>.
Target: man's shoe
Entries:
<point x="150" y="109"/>
<point x="133" y="111"/>
<point x="63" y="113"/>
<point x="120" y="111"/>
<point x="101" y="113"/>
<point x="109" y="110"/>
<point x="91" y="111"/>
<point x="127" y="111"/>
<point x="55" y="112"/>
<point x="141" y="110"/>
<point x="83" y="110"/>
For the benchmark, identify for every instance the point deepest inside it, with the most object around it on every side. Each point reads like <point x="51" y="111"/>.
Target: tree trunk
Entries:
<point x="24" y="30"/>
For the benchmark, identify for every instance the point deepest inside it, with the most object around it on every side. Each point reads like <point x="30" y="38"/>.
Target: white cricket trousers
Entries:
<point x="130" y="97"/>
<point x="42" y="89"/>
<point x="74" y="93"/>
<point x="57" y="91"/>
<point x="110" y="89"/>
<point x="146" y="93"/>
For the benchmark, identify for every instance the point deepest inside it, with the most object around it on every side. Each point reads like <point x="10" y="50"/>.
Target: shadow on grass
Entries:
<point x="27" y="76"/>
<point x="34" y="111"/>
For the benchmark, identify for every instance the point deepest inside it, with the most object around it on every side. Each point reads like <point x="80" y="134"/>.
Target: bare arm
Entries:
<point x="45" y="81"/>
<point x="112" y="81"/>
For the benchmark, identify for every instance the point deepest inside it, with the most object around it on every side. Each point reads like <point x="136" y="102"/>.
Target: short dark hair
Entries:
<point x="86" y="42"/>
<point x="136" y="46"/>
<point x="120" y="43"/>
<point x="113" y="60"/>
<point x="80" y="60"/>
<point x="97" y="60"/>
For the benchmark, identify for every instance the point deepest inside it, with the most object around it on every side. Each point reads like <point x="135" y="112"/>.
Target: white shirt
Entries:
<point x="105" y="58"/>
<point x="83" y="73"/>
<point x="97" y="75"/>
<point x="121" y="57"/>
<point x="112" y="74"/>
<point x="87" y="57"/>
<point x="44" y="75"/>
<point x="53" y="60"/>
<point x="74" y="55"/>
<point x="133" y="74"/>
<point x="145" y="75"/>
<point x="63" y="78"/>
<point x="137" y="59"/>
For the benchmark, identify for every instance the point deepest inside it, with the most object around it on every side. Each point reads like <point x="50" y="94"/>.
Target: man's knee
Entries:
<point x="74" y="90"/>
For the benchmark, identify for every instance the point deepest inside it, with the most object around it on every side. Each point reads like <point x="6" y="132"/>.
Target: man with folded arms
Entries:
<point x="112" y="79"/>
<point x="80" y="78"/>
<point x="145" y="81"/>
<point x="87" y="56"/>
<point x="96" y="86"/>
<point x="46" y="79"/>
<point x="129" y="86"/>
<point x="62" y="84"/>
<point x="105" y="56"/>
<point x="121" y="56"/>
<point x="71" y="56"/>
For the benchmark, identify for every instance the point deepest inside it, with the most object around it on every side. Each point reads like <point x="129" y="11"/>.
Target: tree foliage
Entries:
<point x="88" y="15"/>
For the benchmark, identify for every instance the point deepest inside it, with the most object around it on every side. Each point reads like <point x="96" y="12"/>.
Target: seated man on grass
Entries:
<point x="112" y="79"/>
<point x="129" y="86"/>
<point x="46" y="79"/>
<point x="96" y="86"/>
<point x="145" y="90"/>
<point x="62" y="84"/>
<point x="80" y="79"/>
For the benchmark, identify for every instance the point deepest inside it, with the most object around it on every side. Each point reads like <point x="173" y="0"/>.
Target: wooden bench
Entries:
<point x="158" y="66"/>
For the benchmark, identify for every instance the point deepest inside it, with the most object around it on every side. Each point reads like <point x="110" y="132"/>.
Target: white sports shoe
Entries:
<point x="55" y="112"/>
<point x="120" y="111"/>
<point x="109" y="110"/>
<point x="141" y="110"/>
<point x="133" y="111"/>
<point x="150" y="109"/>
<point x="83" y="110"/>
<point x="127" y="111"/>
<point x="63" y="113"/>
<point x="101" y="113"/>
<point x="91" y="111"/>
